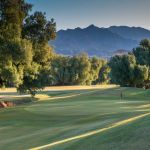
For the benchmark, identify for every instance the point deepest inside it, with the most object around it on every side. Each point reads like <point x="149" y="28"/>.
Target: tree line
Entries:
<point x="78" y="70"/>
<point x="29" y="63"/>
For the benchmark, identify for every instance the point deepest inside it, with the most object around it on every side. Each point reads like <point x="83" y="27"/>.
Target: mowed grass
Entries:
<point x="68" y="113"/>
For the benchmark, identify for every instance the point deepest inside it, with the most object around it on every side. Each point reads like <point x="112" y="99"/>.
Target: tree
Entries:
<point x="25" y="54"/>
<point x="103" y="76"/>
<point x="122" y="69"/>
<point x="142" y="54"/>
<point x="15" y="53"/>
<point x="71" y="70"/>
<point x="39" y="31"/>
<point x="132" y="69"/>
<point x="12" y="14"/>
<point x="140" y="75"/>
<point x="60" y="70"/>
<point x="96" y="65"/>
<point x="80" y="71"/>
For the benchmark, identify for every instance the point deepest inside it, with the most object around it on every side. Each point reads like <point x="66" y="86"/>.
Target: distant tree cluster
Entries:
<point x="132" y="69"/>
<point x="78" y="70"/>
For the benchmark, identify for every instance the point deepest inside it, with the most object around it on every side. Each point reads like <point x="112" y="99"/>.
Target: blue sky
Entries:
<point x="102" y="13"/>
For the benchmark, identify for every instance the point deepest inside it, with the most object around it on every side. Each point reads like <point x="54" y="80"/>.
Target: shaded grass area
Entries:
<point x="43" y="122"/>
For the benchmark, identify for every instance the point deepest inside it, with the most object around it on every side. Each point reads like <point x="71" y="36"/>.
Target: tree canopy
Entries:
<point x="132" y="69"/>
<point x="24" y="48"/>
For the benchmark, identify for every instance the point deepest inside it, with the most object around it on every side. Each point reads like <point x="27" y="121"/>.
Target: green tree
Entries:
<point x="38" y="29"/>
<point x="12" y="14"/>
<point x="80" y="71"/>
<point x="140" y="75"/>
<point x="60" y="70"/>
<point x="96" y="65"/>
<point x="25" y="54"/>
<point x="142" y="54"/>
<point x="15" y="53"/>
<point x="103" y="76"/>
<point x="122" y="69"/>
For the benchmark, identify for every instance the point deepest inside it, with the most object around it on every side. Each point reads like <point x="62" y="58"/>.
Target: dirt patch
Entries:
<point x="7" y="104"/>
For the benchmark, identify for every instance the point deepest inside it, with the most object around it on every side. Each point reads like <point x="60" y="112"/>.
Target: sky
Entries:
<point x="102" y="13"/>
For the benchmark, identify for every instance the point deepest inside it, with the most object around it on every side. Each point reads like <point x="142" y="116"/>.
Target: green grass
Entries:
<point x="48" y="121"/>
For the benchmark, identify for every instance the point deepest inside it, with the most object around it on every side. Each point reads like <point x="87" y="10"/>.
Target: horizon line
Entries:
<point x="65" y="29"/>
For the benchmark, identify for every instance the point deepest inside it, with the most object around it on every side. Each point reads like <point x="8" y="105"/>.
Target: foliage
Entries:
<point x="37" y="29"/>
<point x="140" y="75"/>
<point x="96" y="65"/>
<point x="122" y="69"/>
<point x="132" y="69"/>
<point x="76" y="70"/>
<point x="24" y="50"/>
<point x="142" y="53"/>
<point x="103" y="76"/>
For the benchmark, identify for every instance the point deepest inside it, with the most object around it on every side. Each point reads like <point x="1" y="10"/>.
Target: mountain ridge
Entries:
<point x="98" y="41"/>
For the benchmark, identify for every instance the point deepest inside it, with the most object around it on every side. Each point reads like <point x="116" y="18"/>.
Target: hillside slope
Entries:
<point x="98" y="41"/>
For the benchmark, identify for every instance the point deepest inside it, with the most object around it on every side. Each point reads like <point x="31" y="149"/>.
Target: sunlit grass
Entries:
<point x="61" y="114"/>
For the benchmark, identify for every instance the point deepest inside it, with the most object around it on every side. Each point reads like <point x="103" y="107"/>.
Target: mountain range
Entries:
<point x="97" y="41"/>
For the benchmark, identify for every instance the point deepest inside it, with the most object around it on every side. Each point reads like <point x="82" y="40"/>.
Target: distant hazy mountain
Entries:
<point x="98" y="41"/>
<point x="134" y="33"/>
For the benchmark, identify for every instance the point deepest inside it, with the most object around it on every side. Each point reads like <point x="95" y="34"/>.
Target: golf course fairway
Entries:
<point x="78" y="119"/>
